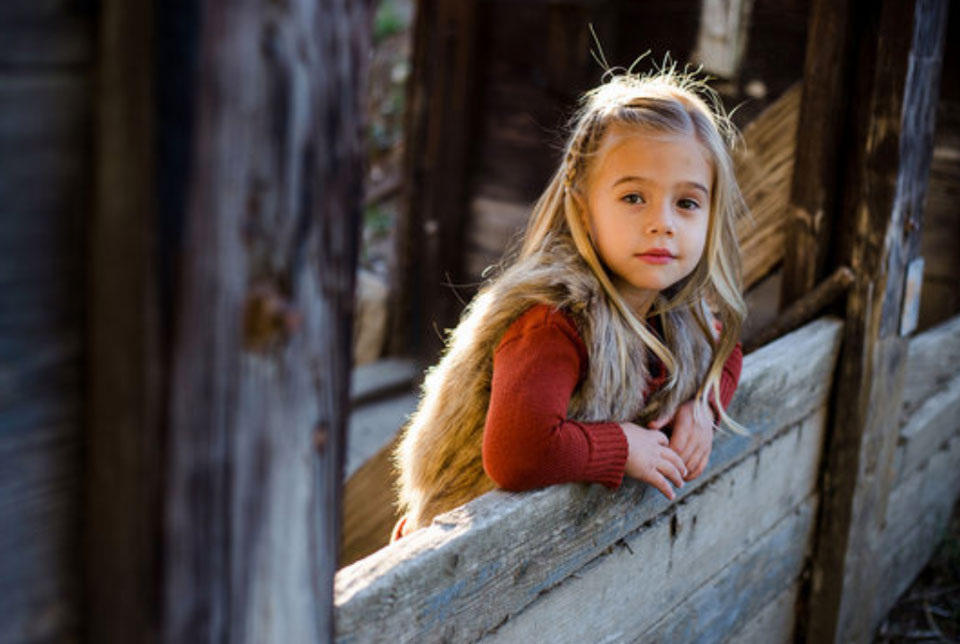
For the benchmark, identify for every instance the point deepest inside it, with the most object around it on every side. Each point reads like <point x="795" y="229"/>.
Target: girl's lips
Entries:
<point x="655" y="257"/>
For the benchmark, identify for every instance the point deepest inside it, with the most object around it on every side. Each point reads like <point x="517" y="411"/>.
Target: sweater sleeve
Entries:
<point x="528" y="441"/>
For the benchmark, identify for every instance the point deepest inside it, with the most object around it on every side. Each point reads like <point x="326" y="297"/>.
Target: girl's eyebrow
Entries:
<point x="691" y="184"/>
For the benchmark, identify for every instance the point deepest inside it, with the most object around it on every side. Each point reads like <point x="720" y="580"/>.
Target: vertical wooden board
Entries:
<point x="814" y="192"/>
<point x="899" y="52"/>
<point x="655" y="569"/>
<point x="743" y="590"/>
<point x="260" y="349"/>
<point x="775" y="622"/>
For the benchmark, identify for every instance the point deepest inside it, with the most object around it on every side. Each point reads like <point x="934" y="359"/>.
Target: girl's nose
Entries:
<point x="661" y="221"/>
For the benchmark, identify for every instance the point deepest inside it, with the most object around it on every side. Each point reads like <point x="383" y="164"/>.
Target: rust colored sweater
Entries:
<point x="528" y="441"/>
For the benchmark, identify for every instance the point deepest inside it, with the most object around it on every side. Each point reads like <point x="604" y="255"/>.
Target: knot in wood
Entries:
<point x="268" y="317"/>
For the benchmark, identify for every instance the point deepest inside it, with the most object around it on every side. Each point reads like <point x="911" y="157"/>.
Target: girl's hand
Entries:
<point x="692" y="436"/>
<point x="650" y="459"/>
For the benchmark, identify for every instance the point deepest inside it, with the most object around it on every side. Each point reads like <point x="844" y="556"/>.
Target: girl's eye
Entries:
<point x="688" y="204"/>
<point x="633" y="198"/>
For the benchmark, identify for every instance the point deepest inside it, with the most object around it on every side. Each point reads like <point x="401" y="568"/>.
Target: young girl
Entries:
<point x="571" y="364"/>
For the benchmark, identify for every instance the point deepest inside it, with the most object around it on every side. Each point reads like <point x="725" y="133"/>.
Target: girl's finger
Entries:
<point x="702" y="461"/>
<point x="661" y="484"/>
<point x="674" y="458"/>
<point x="659" y="422"/>
<point x="661" y="438"/>
<point x="672" y="472"/>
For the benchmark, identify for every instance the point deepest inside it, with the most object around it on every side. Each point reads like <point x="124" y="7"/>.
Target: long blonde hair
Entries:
<point x="665" y="101"/>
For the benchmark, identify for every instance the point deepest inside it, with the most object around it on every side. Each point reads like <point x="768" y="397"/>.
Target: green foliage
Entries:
<point x="387" y="21"/>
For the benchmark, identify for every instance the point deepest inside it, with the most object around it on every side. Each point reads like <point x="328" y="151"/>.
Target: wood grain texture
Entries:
<point x="125" y="372"/>
<point x="927" y="427"/>
<point x="815" y="187"/>
<point x="888" y="160"/>
<point x="699" y="569"/>
<point x="503" y="549"/>
<point x="917" y="517"/>
<point x="440" y="130"/>
<point x="774" y="623"/>
<point x="259" y="398"/>
<point x="932" y="361"/>
<point x="742" y="591"/>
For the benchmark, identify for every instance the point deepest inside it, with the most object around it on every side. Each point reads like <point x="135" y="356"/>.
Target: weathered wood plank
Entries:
<point x="260" y="350"/>
<point x="680" y="576"/>
<point x="739" y="593"/>
<point x="774" y="624"/>
<point x="920" y="508"/>
<point x="814" y="192"/>
<point x="888" y="159"/>
<point x="932" y="360"/>
<point x="932" y="487"/>
<point x="467" y="558"/>
<point x="126" y="366"/>
<point x="926" y="428"/>
<point x="440" y="129"/>
<point x="230" y="190"/>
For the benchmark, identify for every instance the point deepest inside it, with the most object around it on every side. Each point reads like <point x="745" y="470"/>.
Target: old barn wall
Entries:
<point x="46" y="55"/>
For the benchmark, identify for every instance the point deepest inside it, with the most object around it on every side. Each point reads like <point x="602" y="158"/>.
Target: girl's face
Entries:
<point x="648" y="206"/>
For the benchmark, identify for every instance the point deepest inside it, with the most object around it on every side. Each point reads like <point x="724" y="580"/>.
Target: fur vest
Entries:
<point x="439" y="456"/>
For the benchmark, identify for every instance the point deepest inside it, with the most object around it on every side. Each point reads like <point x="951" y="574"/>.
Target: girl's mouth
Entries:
<point x="655" y="257"/>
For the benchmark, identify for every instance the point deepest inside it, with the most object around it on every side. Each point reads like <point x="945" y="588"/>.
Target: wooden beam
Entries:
<point x="223" y="255"/>
<point x="896" y="90"/>
<point x="125" y="368"/>
<point x="439" y="127"/>
<point x="828" y="71"/>
<point x="804" y="309"/>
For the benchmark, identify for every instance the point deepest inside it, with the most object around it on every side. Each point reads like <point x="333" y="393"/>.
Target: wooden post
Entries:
<point x="46" y="87"/>
<point x="223" y="256"/>
<point x="896" y="90"/>
<point x="829" y="70"/>
<point x="439" y="130"/>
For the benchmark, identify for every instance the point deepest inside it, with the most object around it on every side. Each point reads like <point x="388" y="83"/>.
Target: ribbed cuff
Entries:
<point x="608" y="454"/>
